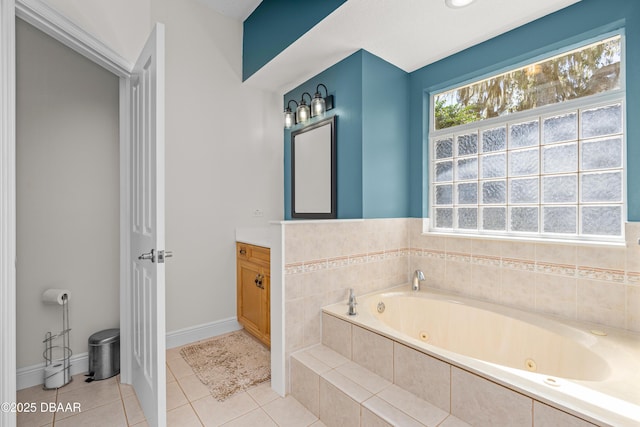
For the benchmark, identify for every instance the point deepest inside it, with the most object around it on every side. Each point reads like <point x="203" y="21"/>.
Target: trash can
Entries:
<point x="104" y="354"/>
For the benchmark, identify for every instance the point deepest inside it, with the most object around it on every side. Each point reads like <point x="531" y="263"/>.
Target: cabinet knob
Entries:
<point x="258" y="281"/>
<point x="243" y="251"/>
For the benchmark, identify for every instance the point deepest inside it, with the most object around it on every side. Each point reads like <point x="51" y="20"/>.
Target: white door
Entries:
<point x="147" y="230"/>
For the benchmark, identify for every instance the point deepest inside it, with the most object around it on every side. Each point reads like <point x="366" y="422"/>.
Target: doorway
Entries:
<point x="67" y="176"/>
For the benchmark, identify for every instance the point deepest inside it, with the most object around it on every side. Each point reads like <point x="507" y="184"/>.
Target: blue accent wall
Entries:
<point x="274" y="25"/>
<point x="385" y="132"/>
<point x="344" y="82"/>
<point x="371" y="101"/>
<point x="566" y="27"/>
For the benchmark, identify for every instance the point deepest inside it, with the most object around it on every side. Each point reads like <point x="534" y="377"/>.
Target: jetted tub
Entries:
<point x="586" y="369"/>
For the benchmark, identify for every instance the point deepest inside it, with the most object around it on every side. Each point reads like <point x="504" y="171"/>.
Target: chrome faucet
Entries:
<point x="352" y="303"/>
<point x="418" y="276"/>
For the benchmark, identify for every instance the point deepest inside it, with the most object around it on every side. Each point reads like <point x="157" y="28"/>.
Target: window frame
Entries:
<point x="588" y="102"/>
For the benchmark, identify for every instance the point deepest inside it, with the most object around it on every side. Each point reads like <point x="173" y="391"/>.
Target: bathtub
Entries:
<point x="588" y="370"/>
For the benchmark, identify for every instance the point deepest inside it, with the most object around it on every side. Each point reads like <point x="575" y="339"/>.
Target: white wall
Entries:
<point x="224" y="155"/>
<point x="122" y="25"/>
<point x="68" y="200"/>
<point x="224" y="159"/>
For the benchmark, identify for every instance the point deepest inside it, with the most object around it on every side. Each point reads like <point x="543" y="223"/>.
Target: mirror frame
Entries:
<point x="333" y="214"/>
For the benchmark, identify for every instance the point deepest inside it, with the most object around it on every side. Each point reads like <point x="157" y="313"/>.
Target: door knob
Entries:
<point x="149" y="255"/>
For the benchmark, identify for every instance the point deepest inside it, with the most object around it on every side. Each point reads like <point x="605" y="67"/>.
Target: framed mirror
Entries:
<point x="313" y="171"/>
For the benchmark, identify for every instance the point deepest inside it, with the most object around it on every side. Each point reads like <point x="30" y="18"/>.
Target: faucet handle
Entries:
<point x="419" y="275"/>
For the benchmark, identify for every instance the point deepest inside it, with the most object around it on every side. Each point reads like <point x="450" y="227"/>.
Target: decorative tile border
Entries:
<point x="617" y="276"/>
<point x="343" y="261"/>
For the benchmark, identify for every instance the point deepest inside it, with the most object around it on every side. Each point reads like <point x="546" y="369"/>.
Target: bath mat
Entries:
<point x="229" y="364"/>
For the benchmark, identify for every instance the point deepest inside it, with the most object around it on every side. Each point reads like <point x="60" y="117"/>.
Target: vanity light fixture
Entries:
<point x="457" y="4"/>
<point x="289" y="116"/>
<point x="319" y="105"/>
<point x="302" y="112"/>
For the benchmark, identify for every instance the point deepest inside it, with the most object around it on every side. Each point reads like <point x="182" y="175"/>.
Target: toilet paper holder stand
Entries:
<point x="57" y="353"/>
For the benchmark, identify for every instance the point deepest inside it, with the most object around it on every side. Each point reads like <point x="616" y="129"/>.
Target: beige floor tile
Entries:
<point x="79" y="381"/>
<point x="288" y="412"/>
<point x="263" y="393"/>
<point x="174" y="353"/>
<point x="142" y="424"/>
<point x="318" y="424"/>
<point x="180" y="368"/>
<point x="193" y="388"/>
<point x="214" y="413"/>
<point x="35" y="396"/>
<point x="184" y="416"/>
<point x="170" y="377"/>
<point x="175" y="396"/>
<point x="132" y="410"/>
<point x="110" y="415"/>
<point x="126" y="390"/>
<point x="255" y="418"/>
<point x="95" y="394"/>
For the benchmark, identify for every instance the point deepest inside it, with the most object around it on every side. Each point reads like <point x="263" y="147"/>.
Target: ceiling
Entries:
<point x="407" y="33"/>
<point x="237" y="9"/>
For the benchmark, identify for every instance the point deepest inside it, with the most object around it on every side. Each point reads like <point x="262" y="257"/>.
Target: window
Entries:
<point x="543" y="156"/>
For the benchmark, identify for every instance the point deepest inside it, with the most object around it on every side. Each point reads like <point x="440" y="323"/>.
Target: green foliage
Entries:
<point x="587" y="71"/>
<point x="453" y="115"/>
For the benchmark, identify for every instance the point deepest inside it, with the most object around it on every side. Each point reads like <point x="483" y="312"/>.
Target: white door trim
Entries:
<point x="7" y="210"/>
<point x="54" y="24"/>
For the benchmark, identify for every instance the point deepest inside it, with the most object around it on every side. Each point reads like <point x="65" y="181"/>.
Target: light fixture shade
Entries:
<point x="302" y="113"/>
<point x="458" y="3"/>
<point x="317" y="106"/>
<point x="289" y="118"/>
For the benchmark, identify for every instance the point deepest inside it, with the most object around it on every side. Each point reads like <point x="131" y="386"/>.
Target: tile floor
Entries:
<point x="108" y="403"/>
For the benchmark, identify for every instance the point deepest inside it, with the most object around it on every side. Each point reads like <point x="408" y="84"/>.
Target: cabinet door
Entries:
<point x="267" y="305"/>
<point x="250" y="298"/>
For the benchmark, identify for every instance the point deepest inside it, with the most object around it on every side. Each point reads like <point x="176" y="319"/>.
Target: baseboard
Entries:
<point x="34" y="375"/>
<point x="201" y="332"/>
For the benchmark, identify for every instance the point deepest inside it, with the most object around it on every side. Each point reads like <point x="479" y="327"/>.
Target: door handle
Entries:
<point x="149" y="255"/>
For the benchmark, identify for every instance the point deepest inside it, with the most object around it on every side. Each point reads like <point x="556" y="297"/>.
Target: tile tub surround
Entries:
<point x="584" y="282"/>
<point x="452" y="391"/>
<point x="582" y="383"/>
<point x="323" y="259"/>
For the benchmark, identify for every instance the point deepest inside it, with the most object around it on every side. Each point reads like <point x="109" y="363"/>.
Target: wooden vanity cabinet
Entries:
<point x="253" y="294"/>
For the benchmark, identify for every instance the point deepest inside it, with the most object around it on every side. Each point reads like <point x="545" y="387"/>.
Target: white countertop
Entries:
<point x="259" y="236"/>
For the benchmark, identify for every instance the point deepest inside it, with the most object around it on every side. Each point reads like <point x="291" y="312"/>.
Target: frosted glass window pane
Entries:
<point x="560" y="219"/>
<point x="494" y="192"/>
<point x="560" y="128"/>
<point x="468" y="218"/>
<point x="444" y="194"/>
<point x="494" y="218"/>
<point x="468" y="193"/>
<point x="602" y="121"/>
<point x="602" y="220"/>
<point x="494" y="165"/>
<point x="559" y="189"/>
<point x="467" y="144"/>
<point x="524" y="190"/>
<point x="602" y="154"/>
<point x="523" y="162"/>
<point x="560" y="158"/>
<point x="467" y="169"/>
<point x="444" y="171"/>
<point x="524" y="134"/>
<point x="524" y="219"/>
<point x="494" y="139"/>
<point x="444" y="148"/>
<point x="602" y="187"/>
<point x="444" y="217"/>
